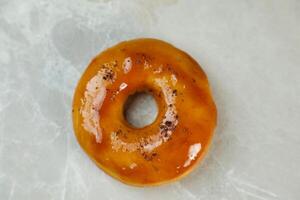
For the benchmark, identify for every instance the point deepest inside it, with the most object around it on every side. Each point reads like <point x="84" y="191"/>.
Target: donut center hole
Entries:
<point x="140" y="109"/>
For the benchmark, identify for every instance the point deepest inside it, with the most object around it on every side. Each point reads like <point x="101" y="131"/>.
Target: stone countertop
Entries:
<point x="250" y="51"/>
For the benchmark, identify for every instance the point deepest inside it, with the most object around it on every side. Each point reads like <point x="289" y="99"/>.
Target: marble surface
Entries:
<point x="250" y="51"/>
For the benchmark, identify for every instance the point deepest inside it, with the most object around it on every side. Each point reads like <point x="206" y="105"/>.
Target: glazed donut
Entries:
<point x="175" y="142"/>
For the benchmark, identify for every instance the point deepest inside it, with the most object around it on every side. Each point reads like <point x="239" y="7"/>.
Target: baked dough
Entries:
<point x="179" y="137"/>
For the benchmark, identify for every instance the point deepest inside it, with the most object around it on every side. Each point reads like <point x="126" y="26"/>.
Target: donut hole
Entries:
<point x="140" y="109"/>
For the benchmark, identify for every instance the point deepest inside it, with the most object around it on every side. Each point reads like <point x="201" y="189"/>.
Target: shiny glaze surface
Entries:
<point x="175" y="142"/>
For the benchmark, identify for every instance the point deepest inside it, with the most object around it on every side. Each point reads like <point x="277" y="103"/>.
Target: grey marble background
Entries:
<point x="250" y="50"/>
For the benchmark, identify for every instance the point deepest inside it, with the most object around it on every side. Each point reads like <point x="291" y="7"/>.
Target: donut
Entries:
<point x="179" y="137"/>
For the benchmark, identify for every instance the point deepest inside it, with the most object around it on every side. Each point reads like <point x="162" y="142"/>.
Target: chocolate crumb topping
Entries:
<point x="168" y="123"/>
<point x="174" y="92"/>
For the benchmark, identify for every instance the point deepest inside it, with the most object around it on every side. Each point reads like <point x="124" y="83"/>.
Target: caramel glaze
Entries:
<point x="175" y="142"/>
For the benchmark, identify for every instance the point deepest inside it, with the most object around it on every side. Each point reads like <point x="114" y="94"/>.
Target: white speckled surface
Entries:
<point x="249" y="49"/>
